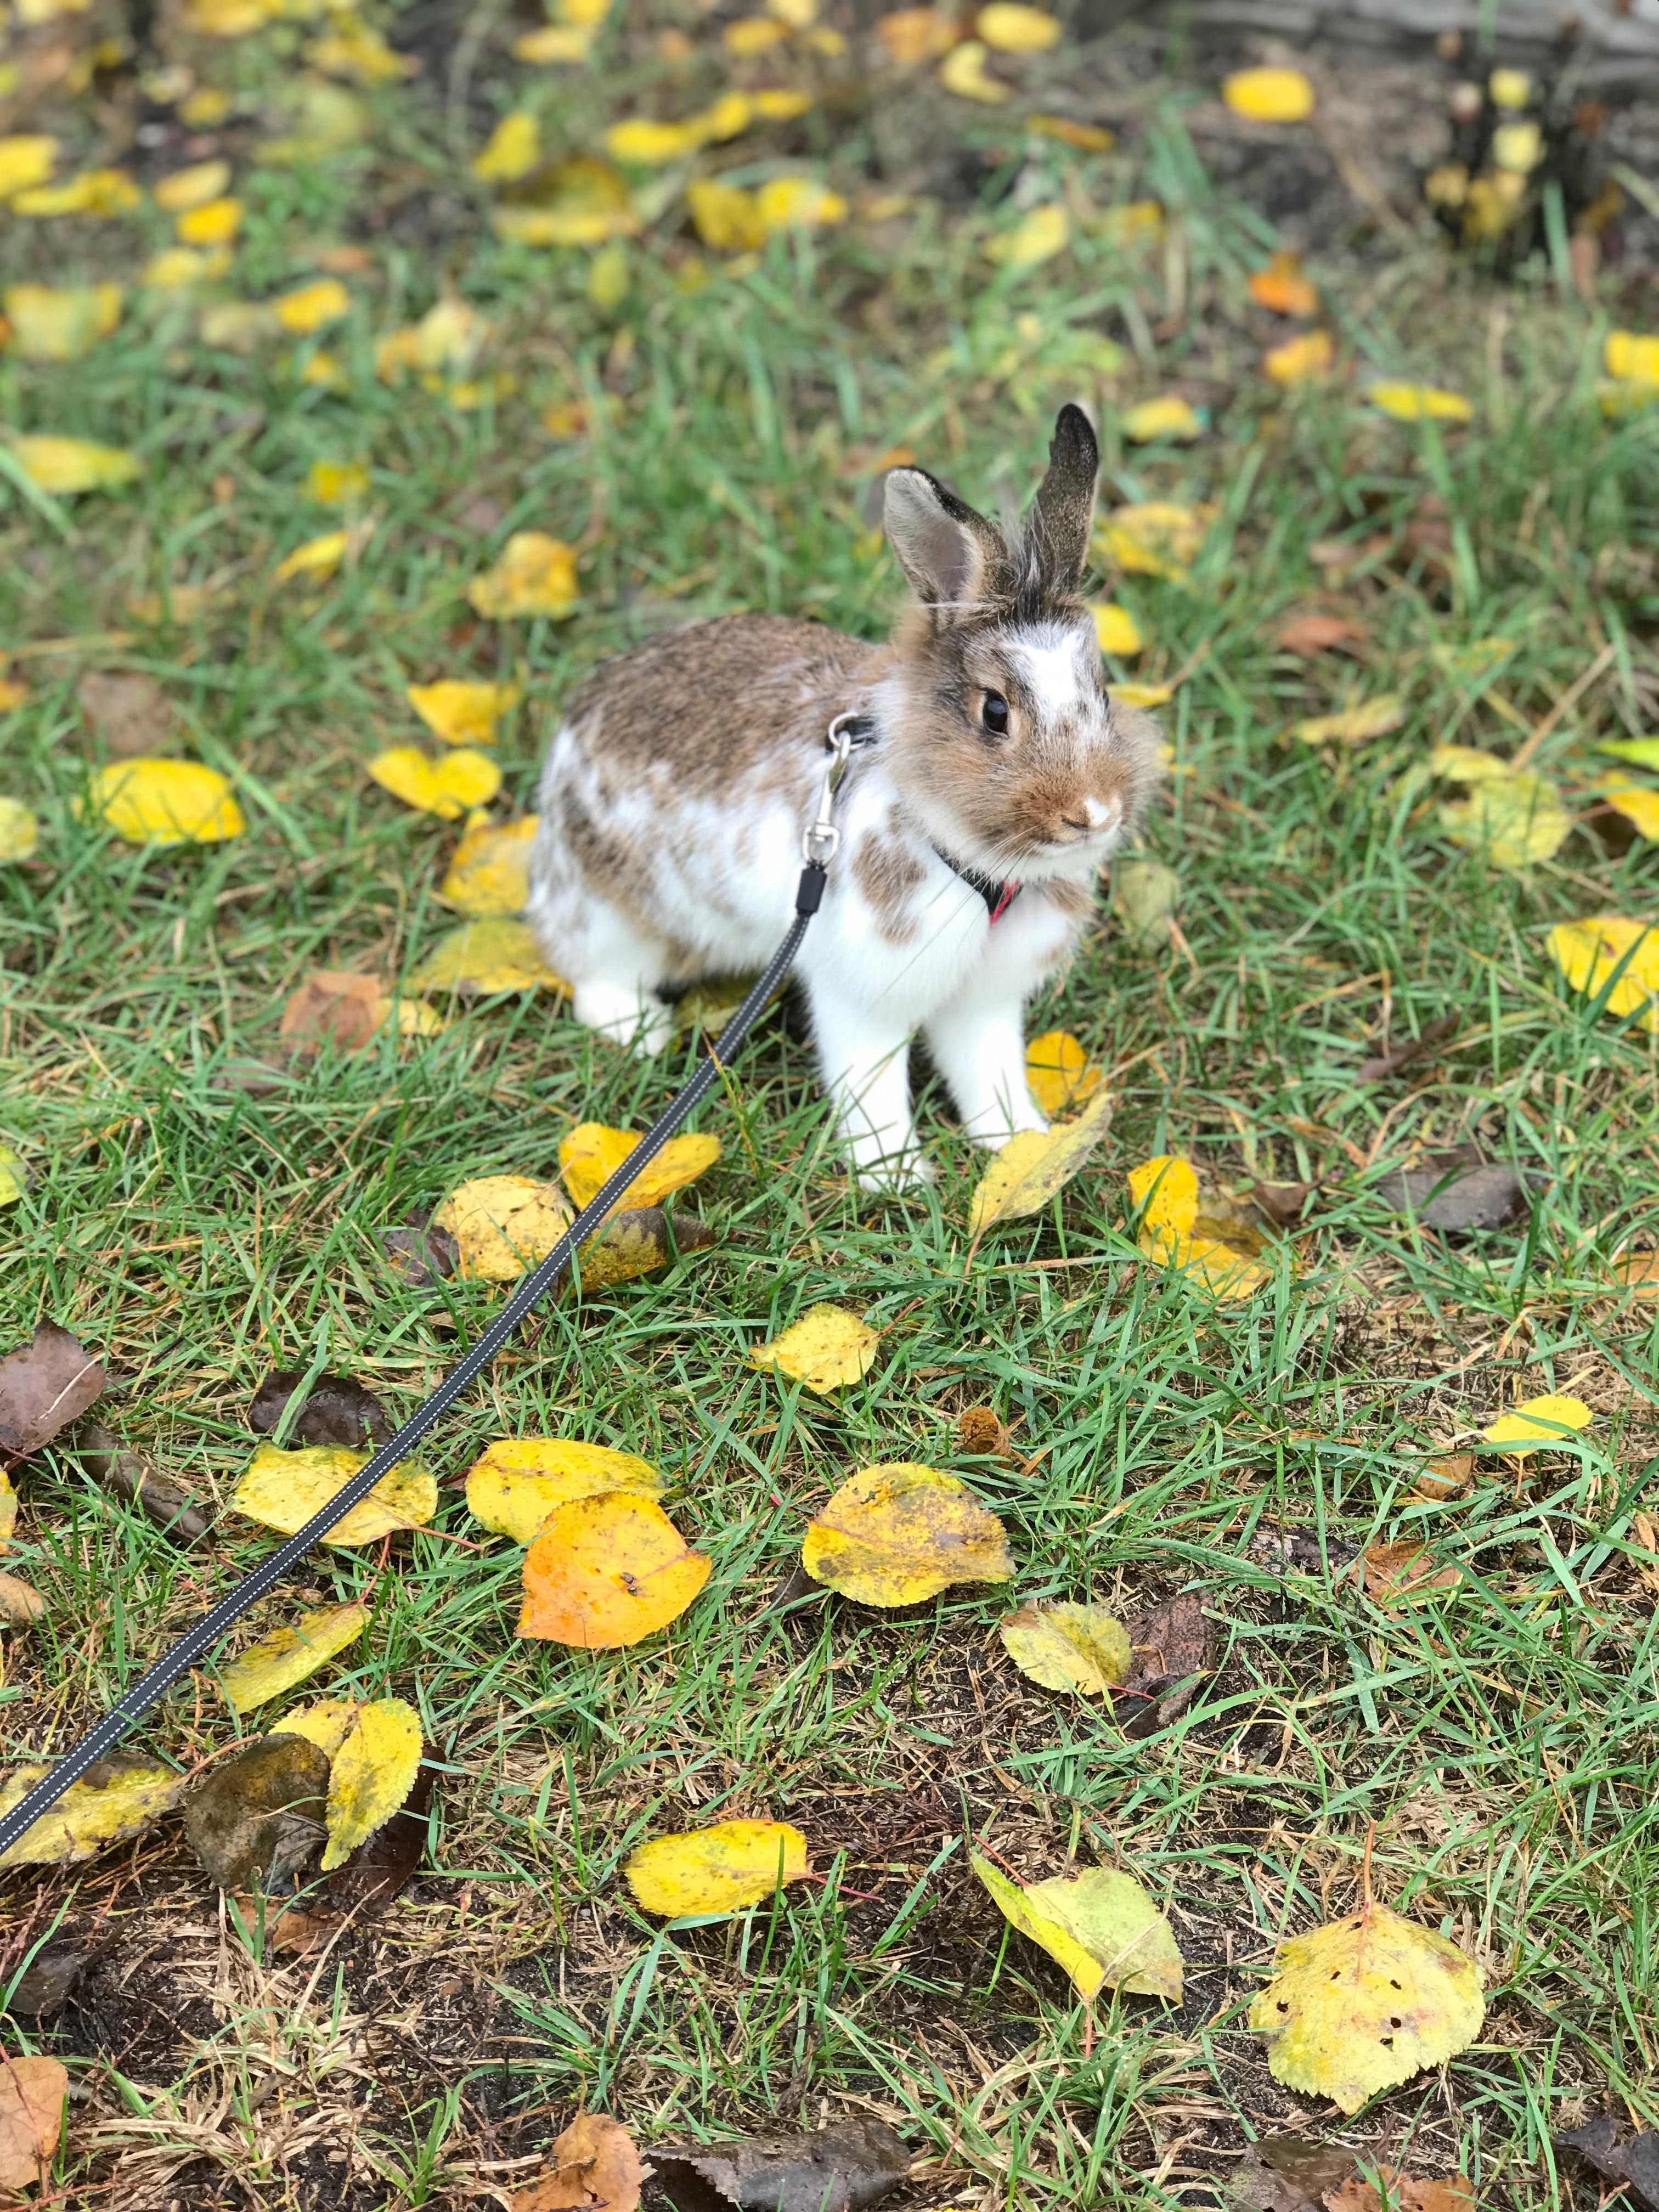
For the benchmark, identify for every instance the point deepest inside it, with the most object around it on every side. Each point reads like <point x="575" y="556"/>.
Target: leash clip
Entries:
<point x="821" y="840"/>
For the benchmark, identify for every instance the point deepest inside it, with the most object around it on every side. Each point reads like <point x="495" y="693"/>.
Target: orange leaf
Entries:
<point x="1405" y="1571"/>
<point x="607" y="1570"/>
<point x="1282" y="287"/>
<point x="596" y="2169"/>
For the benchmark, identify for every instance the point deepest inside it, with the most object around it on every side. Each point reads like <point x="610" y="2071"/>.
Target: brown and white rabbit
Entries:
<point x="997" y="780"/>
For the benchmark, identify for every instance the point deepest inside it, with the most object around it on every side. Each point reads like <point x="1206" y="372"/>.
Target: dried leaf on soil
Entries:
<point x="48" y="1981"/>
<point x="1144" y="896"/>
<point x="60" y="323"/>
<point x="595" y="2168"/>
<point x="1457" y="1192"/>
<point x="1444" y="1478"/>
<point x="963" y="72"/>
<point x="981" y="1433"/>
<point x="1365" y="2003"/>
<point x="157" y="801"/>
<point x="383" y="1864"/>
<point x="20" y="840"/>
<point x="896" y="1534"/>
<point x="1172" y="1647"/>
<point x="1059" y="1072"/>
<point x="1032" y="1168"/>
<point x="840" y="2168"/>
<point x="1068" y="1647"/>
<point x="1634" y="2163"/>
<point x="1397" y="1574"/>
<point x="606" y="1571"/>
<point x="256" y="1817"/>
<point x="116" y="1798"/>
<point x="1154" y="538"/>
<point x="370" y="1775"/>
<point x="1312" y="631"/>
<point x="337" y="1007"/>
<point x="1514" y="821"/>
<point x="518" y="1480"/>
<point x="489" y="873"/>
<point x="132" y="715"/>
<point x="1402" y="1056"/>
<point x="282" y="1490"/>
<point x="43" y="1385"/>
<point x="591" y="1153"/>
<point x="1401" y="2192"/>
<point x="65" y="466"/>
<point x="502" y="1224"/>
<point x="723" y="1868"/>
<point x="1281" y="287"/>
<point x="1116" y="630"/>
<point x="535" y="575"/>
<point x="107" y="1460"/>
<point x="1550" y="1419"/>
<point x="284" y="1657"/>
<point x="1308" y="359"/>
<point x="32" y="2093"/>
<point x="1638" y="803"/>
<point x="1371" y="718"/>
<point x="1420" y="403"/>
<point x="20" y="1604"/>
<point x="448" y="786"/>
<point x="493" y="953"/>
<point x="825" y="1349"/>
<point x="1100" y="1925"/>
<point x="1167" y="416"/>
<point x="1287" y="2173"/>
<point x="336" y="1410"/>
<point x="638" y="1241"/>
<point x="1165" y="1191"/>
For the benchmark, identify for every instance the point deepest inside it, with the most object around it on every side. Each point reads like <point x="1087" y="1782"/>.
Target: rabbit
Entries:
<point x="996" y="779"/>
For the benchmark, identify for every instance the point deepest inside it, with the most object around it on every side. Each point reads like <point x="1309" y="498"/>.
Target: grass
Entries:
<point x="1495" y="1748"/>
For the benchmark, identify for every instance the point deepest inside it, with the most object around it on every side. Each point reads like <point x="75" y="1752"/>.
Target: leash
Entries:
<point x="820" y="842"/>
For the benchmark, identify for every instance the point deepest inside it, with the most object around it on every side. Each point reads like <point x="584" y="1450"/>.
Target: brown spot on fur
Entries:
<point x="887" y="875"/>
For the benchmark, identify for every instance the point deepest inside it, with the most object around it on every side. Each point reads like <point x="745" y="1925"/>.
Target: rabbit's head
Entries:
<point x="999" y="732"/>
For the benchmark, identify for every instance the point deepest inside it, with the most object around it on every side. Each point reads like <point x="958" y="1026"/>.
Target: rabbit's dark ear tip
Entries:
<point x="1073" y="428"/>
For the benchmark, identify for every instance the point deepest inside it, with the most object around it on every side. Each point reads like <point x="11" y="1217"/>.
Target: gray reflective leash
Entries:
<point x="818" y="845"/>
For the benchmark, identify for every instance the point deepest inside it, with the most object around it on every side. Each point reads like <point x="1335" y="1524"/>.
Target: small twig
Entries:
<point x="1565" y="704"/>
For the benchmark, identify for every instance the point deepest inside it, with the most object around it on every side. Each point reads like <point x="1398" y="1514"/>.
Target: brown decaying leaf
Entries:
<point x="1173" y="1646"/>
<point x="1283" y="1203"/>
<point x="1390" y="1063"/>
<point x="1444" y="1477"/>
<point x="48" y="1981"/>
<point x="1309" y="630"/>
<point x="638" y="1241"/>
<point x="1397" y="1573"/>
<point x="107" y="1460"/>
<point x="257" y="1816"/>
<point x="980" y="1433"/>
<point x="1634" y="2163"/>
<point x="132" y="714"/>
<point x="1405" y="2192"/>
<point x="20" y="1604"/>
<point x="595" y="2168"/>
<point x="1457" y="1192"/>
<point x="1286" y="2173"/>
<point x="44" y="1385"/>
<point x="367" y="1879"/>
<point x="333" y="1007"/>
<point x="32" y="2092"/>
<point x="834" y="2169"/>
<point x="420" y="1253"/>
<point x="336" y="1411"/>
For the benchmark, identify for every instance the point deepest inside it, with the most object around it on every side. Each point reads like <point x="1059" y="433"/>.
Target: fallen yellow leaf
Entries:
<point x="215" y="224"/>
<point x="1015" y="29"/>
<point x="606" y="1571"/>
<point x="1059" y="1072"/>
<point x="71" y="465"/>
<point x="93" y="192"/>
<point x="503" y="1224"/>
<point x="520" y="1480"/>
<point x="282" y="1490"/>
<point x="460" y="712"/>
<point x="1631" y="358"/>
<point x="1302" y="359"/>
<point x="1638" y="803"/>
<point x="161" y="801"/>
<point x="370" y="1775"/>
<point x="1539" y="1421"/>
<point x="53" y="324"/>
<point x="514" y="150"/>
<point x="826" y="1348"/>
<point x="277" y="1662"/>
<point x="493" y="953"/>
<point x="1281" y="287"/>
<point x="1101" y="1926"/>
<point x="722" y="1868"/>
<point x="1420" y="403"/>
<point x="591" y="1153"/>
<point x="1371" y="718"/>
<point x="116" y="1798"/>
<point x="25" y="160"/>
<point x="1116" y="630"/>
<point x="1037" y="237"/>
<point x="1513" y="821"/>
<point x="797" y="203"/>
<point x="535" y="575"/>
<point x="20" y="832"/>
<point x="318" y="558"/>
<point x="1068" y="1647"/>
<point x="1164" y="1191"/>
<point x="1168" y="416"/>
<point x="447" y="339"/>
<point x="1158" y="537"/>
<point x="914" y="35"/>
<point x="327" y="1724"/>
<point x="1363" y="2004"/>
<point x="896" y="1534"/>
<point x="1034" y="1167"/>
<point x="963" y="72"/>
<point x="1269" y="95"/>
<point x="337" y="483"/>
<point x="752" y="34"/>
<point x="448" y="787"/>
<point x="1087" y="137"/>
<point x="489" y="873"/>
<point x="650" y="145"/>
<point x="1509" y="87"/>
<point x="638" y="1240"/>
<point x="1588" y="953"/>
<point x="313" y="306"/>
<point x="726" y="217"/>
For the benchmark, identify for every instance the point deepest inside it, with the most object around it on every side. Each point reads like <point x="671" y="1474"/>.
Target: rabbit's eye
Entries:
<point x="994" y="714"/>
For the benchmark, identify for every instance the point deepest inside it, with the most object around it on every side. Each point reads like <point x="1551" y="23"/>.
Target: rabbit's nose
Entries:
<point x="1090" y="814"/>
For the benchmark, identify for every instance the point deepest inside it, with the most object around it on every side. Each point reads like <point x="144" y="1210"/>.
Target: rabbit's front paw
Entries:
<point x="626" y="1016"/>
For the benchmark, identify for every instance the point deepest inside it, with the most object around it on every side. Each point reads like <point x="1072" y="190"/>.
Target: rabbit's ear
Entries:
<point x="1061" y="512"/>
<point x="942" y="546"/>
